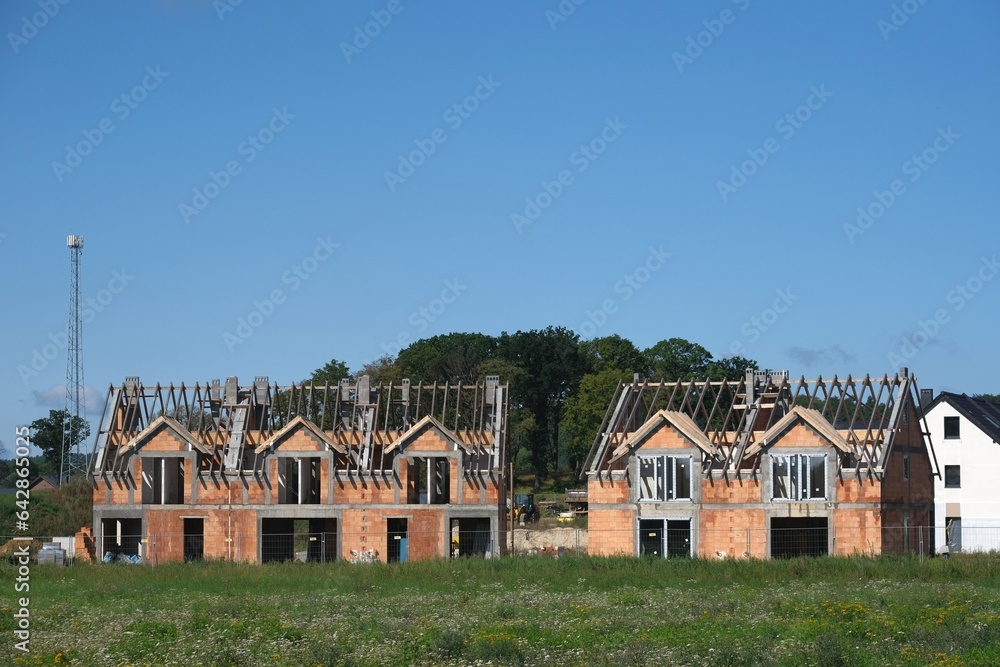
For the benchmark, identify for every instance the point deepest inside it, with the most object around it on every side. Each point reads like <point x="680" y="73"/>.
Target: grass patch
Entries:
<point x="518" y="611"/>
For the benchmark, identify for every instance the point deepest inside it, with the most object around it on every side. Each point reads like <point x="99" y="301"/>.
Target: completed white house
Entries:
<point x="966" y="436"/>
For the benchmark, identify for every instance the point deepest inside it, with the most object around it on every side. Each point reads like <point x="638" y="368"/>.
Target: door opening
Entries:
<point x="398" y="546"/>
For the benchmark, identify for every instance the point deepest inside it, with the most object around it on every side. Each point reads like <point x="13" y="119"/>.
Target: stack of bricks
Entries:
<point x="85" y="549"/>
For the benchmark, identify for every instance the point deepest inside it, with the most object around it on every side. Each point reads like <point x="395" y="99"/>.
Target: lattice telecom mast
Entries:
<point x="72" y="461"/>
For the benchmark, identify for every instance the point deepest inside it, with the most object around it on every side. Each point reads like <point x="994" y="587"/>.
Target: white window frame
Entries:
<point x="801" y="490"/>
<point x="666" y="465"/>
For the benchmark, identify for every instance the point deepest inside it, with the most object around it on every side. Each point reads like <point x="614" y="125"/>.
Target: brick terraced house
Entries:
<point x="762" y="467"/>
<point x="262" y="473"/>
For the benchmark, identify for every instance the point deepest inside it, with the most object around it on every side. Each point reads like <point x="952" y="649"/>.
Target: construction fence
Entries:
<point x="650" y="537"/>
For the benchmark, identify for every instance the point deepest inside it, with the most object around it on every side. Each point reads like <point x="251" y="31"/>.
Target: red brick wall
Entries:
<point x="212" y="490"/>
<point x="257" y="490"/>
<point x="119" y="489"/>
<point x="428" y="441"/>
<point x="365" y="489"/>
<point x="165" y="533"/>
<point x="801" y="435"/>
<point x="729" y="530"/>
<point x="717" y="489"/>
<point x="857" y="531"/>
<point x="607" y="490"/>
<point x="426" y="532"/>
<point x="611" y="532"/>
<point x="164" y="441"/>
<point x="852" y="489"/>
<point x="301" y="440"/>
<point x="367" y="528"/>
<point x="492" y="494"/>
<point x="665" y="437"/>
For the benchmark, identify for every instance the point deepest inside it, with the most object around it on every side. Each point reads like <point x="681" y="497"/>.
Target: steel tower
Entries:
<point x="72" y="462"/>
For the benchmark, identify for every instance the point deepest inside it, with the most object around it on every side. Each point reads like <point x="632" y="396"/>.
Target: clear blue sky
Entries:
<point x="646" y="130"/>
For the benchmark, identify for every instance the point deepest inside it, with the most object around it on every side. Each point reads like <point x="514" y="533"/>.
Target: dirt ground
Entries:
<point x="534" y="540"/>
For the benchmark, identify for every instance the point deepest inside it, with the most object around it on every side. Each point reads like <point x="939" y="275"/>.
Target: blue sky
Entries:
<point x="648" y="169"/>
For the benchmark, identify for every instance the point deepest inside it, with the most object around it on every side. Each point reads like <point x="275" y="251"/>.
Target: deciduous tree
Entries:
<point x="47" y="434"/>
<point x="553" y="365"/>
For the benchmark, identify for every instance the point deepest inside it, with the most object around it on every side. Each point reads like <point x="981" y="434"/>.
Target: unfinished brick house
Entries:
<point x="264" y="473"/>
<point x="762" y="467"/>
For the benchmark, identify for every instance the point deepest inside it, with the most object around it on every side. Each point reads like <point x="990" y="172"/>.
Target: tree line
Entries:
<point x="560" y="386"/>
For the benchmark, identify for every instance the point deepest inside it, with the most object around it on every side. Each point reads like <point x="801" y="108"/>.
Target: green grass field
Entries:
<point x="517" y="611"/>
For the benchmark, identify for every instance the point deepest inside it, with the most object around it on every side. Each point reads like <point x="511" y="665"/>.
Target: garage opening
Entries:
<point x="121" y="538"/>
<point x="651" y="537"/>
<point x="277" y="540"/>
<point x="470" y="537"/>
<point x="321" y="540"/>
<point x="679" y="538"/>
<point x="799" y="536"/>
<point x="397" y="541"/>
<point x="303" y="540"/>
<point x="665" y="538"/>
